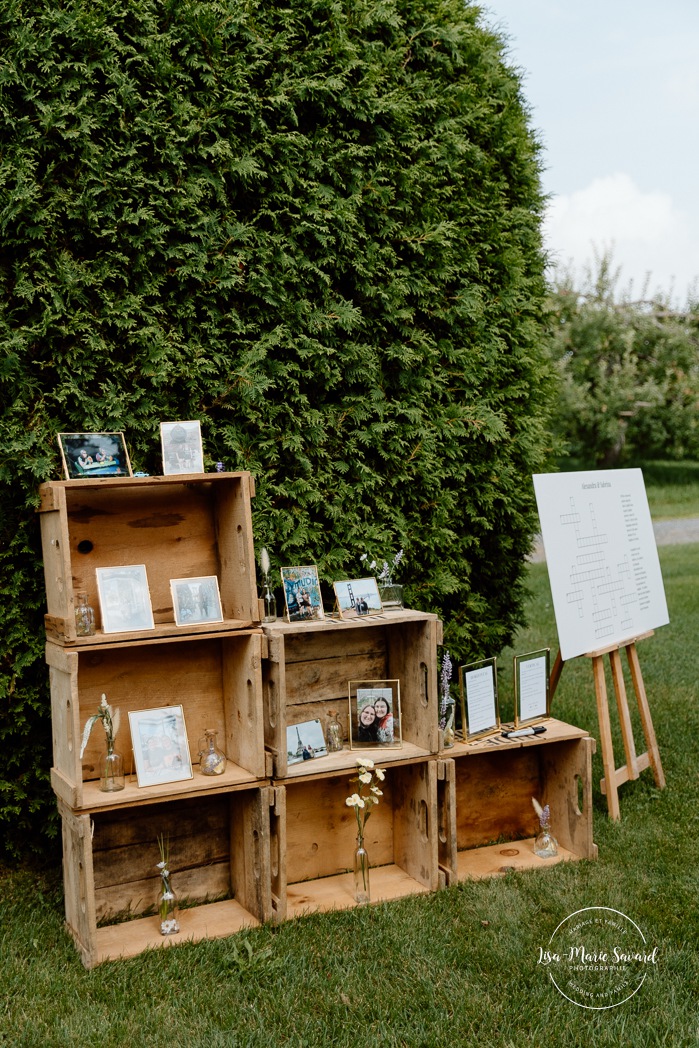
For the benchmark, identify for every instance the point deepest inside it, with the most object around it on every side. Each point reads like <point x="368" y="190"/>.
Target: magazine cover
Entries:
<point x="302" y="593"/>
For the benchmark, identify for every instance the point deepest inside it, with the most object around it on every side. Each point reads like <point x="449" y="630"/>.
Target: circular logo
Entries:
<point x="598" y="958"/>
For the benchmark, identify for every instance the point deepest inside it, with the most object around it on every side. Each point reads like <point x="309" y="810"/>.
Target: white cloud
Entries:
<point x="646" y="233"/>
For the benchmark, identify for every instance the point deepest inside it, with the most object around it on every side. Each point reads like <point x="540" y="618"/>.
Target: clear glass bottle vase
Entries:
<point x="269" y="601"/>
<point x="84" y="616"/>
<point x="333" y="733"/>
<point x="361" y="873"/>
<point x="546" y="845"/>
<point x="112" y="772"/>
<point x="212" y="760"/>
<point x="167" y="906"/>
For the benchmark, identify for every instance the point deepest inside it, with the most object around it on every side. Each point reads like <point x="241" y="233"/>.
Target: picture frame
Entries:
<point x="87" y="455"/>
<point x="160" y="746"/>
<point x="302" y="597"/>
<point x="478" y="685"/>
<point x="196" y="601"/>
<point x="124" y="598"/>
<point x="532" y="687"/>
<point x="182" y="448"/>
<point x="305" y="742"/>
<point x="384" y="728"/>
<point x="357" y="598"/>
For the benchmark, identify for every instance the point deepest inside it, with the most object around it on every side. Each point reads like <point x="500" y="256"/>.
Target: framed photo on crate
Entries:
<point x="531" y="686"/>
<point x="94" y="455"/>
<point x="195" y="601"/>
<point x="182" y="447"/>
<point x="374" y="714"/>
<point x="302" y="593"/>
<point x="357" y="598"/>
<point x="479" y="698"/>
<point x="124" y="599"/>
<point x="305" y="742"/>
<point x="160" y="747"/>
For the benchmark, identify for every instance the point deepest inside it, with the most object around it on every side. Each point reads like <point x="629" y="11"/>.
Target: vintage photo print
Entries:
<point x="182" y="447"/>
<point x="196" y="601"/>
<point x="94" y="455"/>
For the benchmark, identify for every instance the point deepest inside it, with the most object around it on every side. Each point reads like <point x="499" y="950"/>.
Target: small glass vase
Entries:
<point x="449" y="731"/>
<point x="361" y="873"/>
<point x="167" y="906"/>
<point x="333" y="733"/>
<point x="84" y="616"/>
<point x="212" y="760"/>
<point x="391" y="594"/>
<point x="546" y="845"/>
<point x="112" y="772"/>
<point x="269" y="601"/>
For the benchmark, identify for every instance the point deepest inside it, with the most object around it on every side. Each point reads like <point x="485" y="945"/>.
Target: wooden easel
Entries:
<point x="613" y="776"/>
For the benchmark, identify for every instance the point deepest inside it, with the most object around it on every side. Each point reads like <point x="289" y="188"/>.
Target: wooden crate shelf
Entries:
<point x="310" y="664"/>
<point x="219" y="846"/>
<point x="313" y="837"/>
<point x="216" y="679"/>
<point x="179" y="527"/>
<point x="487" y="822"/>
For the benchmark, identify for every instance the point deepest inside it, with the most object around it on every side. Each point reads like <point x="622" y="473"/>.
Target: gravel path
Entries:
<point x="667" y="533"/>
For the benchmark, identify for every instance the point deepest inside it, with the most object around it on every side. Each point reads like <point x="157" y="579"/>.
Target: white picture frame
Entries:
<point x="181" y="447"/>
<point x="160" y="746"/>
<point x="124" y="597"/>
<point x="196" y="601"/>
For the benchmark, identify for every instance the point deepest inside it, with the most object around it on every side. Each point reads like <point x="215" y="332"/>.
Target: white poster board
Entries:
<point x="601" y="555"/>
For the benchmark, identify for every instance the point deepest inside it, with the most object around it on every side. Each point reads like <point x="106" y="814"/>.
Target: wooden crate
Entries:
<point x="219" y="860"/>
<point x="314" y="837"/>
<point x="309" y="667"/>
<point x="488" y="824"/>
<point x="179" y="527"/>
<point x="217" y="680"/>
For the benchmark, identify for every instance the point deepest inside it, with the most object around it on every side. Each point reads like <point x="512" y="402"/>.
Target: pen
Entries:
<point x="538" y="730"/>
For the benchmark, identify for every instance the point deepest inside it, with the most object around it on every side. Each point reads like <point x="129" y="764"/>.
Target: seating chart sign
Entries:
<point x="602" y="559"/>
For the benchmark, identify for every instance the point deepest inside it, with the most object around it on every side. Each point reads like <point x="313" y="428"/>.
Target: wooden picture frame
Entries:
<point x="384" y="729"/>
<point x="181" y="447"/>
<point x="124" y="598"/>
<point x="87" y="455"/>
<point x="160" y="747"/>
<point x="357" y="598"/>
<point x="531" y="687"/>
<point x="478" y="685"/>
<point x="302" y="597"/>
<point x="196" y="601"/>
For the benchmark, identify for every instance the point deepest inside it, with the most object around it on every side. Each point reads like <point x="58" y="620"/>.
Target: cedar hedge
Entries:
<point x="315" y="227"/>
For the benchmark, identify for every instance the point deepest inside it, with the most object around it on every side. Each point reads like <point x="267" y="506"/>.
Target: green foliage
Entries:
<point x="314" y="227"/>
<point x="629" y="373"/>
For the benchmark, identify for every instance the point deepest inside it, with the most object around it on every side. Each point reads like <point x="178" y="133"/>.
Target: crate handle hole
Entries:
<point x="251" y="701"/>
<point x="422" y="820"/>
<point x="579" y="795"/>
<point x="272" y="704"/>
<point x="256" y="853"/>
<point x="69" y="725"/>
<point x="425" y="697"/>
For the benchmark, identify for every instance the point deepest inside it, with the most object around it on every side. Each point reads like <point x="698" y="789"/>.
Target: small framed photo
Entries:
<point x="305" y="742"/>
<point x="374" y="714"/>
<point x="531" y="685"/>
<point x="160" y="747"/>
<point x="479" y="698"/>
<point x="182" y="447"/>
<point x="357" y="598"/>
<point x="302" y="593"/>
<point x="94" y="455"/>
<point x="124" y="599"/>
<point x="196" y="600"/>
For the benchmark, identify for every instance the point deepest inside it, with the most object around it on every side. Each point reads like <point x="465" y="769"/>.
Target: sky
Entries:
<point x="613" y="93"/>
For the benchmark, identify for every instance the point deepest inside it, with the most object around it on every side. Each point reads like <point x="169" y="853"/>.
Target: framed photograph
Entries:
<point x="196" y="600"/>
<point x="531" y="685"/>
<point x="182" y="448"/>
<point x="479" y="698"/>
<point x="357" y="598"/>
<point x="374" y="714"/>
<point x="94" y="455"/>
<point x="305" y="742"/>
<point x="124" y="599"/>
<point x="302" y="593"/>
<point x="160" y="748"/>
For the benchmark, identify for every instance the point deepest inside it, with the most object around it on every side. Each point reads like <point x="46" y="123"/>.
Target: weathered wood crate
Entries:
<point x="179" y="527"/>
<point x="314" y="838"/>
<point x="309" y="667"/>
<point x="219" y="859"/>
<point x="487" y="822"/>
<point x="217" y="679"/>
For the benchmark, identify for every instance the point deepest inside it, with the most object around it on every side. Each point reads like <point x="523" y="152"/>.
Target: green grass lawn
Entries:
<point x="672" y="488"/>
<point x="455" y="968"/>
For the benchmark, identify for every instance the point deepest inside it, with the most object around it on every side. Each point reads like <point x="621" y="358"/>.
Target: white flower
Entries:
<point x="365" y="762"/>
<point x="264" y="561"/>
<point x="380" y="774"/>
<point x="376" y="791"/>
<point x="363" y="557"/>
<point x="160" y="865"/>
<point x="372" y="565"/>
<point x="355" y="801"/>
<point x="365" y="777"/>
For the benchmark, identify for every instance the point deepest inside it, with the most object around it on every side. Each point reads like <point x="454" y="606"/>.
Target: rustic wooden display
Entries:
<point x="314" y="837"/>
<point x="311" y="663"/>
<point x="614" y="777"/>
<point x="486" y="797"/>
<point x="179" y="527"/>
<point x="216" y="679"/>
<point x="219" y="859"/>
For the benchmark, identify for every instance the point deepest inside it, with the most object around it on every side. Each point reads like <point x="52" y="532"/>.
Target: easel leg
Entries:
<point x="631" y="771"/>
<point x="608" y="784"/>
<point x="646" y="720"/>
